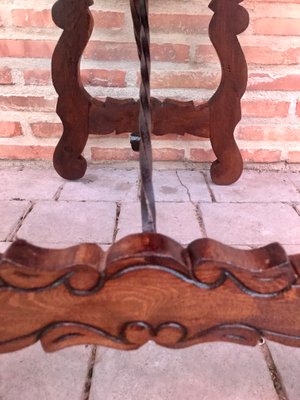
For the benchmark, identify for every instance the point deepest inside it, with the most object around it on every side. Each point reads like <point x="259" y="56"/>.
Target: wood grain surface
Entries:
<point x="147" y="287"/>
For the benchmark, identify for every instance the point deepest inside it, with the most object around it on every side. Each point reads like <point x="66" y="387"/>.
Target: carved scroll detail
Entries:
<point x="135" y="334"/>
<point x="147" y="287"/>
<point x="263" y="272"/>
<point x="169" y="116"/>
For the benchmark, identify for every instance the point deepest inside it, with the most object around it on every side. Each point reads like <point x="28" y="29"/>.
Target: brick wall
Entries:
<point x="184" y="66"/>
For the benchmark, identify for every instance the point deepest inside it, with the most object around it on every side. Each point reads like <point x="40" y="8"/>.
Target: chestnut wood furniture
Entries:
<point x="83" y="115"/>
<point x="146" y="286"/>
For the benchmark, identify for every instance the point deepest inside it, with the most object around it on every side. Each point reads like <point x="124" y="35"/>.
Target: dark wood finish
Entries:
<point x="147" y="287"/>
<point x="83" y="115"/>
<point x="229" y="20"/>
<point x="74" y="102"/>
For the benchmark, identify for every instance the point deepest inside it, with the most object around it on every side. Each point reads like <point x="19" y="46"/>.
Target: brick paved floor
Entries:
<point x="37" y="205"/>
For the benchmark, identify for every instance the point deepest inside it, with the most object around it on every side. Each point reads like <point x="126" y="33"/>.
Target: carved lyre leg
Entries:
<point x="229" y="20"/>
<point x="74" y="17"/>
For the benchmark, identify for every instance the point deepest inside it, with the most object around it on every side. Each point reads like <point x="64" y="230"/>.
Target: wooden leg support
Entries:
<point x="147" y="287"/>
<point x="82" y="115"/>
<point x="74" y="102"/>
<point x="229" y="20"/>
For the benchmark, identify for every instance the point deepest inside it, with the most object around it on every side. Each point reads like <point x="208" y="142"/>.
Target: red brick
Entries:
<point x="276" y="9"/>
<point x="266" y="55"/>
<point x="260" y="155"/>
<point x="185" y="79"/>
<point x="5" y="16"/>
<point x="36" y="103"/>
<point x="205" y="53"/>
<point x="278" y="133"/>
<point x="202" y="155"/>
<point x="26" y="48"/>
<point x="170" y="52"/>
<point x="281" y="51"/>
<point x="108" y="19"/>
<point x="278" y="1"/>
<point x="103" y="77"/>
<point x="32" y="18"/>
<point x="43" y="18"/>
<point x="10" y="129"/>
<point x="204" y="138"/>
<point x="298" y="108"/>
<point x="5" y="76"/>
<point x="265" y="108"/>
<point x="168" y="154"/>
<point x="108" y="154"/>
<point x="37" y="77"/>
<point x="115" y="51"/>
<point x="113" y="154"/>
<point x="46" y="129"/>
<point x="180" y="138"/>
<point x="26" y="152"/>
<point x="277" y="26"/>
<point x="110" y="51"/>
<point x="183" y="23"/>
<point x="264" y="81"/>
<point x="294" y="156"/>
<point x="124" y="135"/>
<point x="168" y="136"/>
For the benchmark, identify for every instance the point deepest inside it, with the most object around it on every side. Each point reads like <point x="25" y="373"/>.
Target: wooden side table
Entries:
<point x="83" y="115"/>
<point x="146" y="286"/>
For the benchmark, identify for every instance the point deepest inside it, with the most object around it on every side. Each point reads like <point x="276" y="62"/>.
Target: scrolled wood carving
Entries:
<point x="147" y="287"/>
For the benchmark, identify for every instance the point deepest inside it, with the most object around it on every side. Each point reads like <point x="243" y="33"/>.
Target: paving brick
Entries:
<point x="4" y="246"/>
<point x="29" y="183"/>
<point x="167" y="187"/>
<point x="216" y="371"/>
<point x="105" y="184"/>
<point x="251" y="223"/>
<point x="72" y="222"/>
<point x="11" y="212"/>
<point x="287" y="361"/>
<point x="31" y="374"/>
<point x="295" y="179"/>
<point x="196" y="185"/>
<point x="177" y="220"/>
<point x="292" y="248"/>
<point x="254" y="186"/>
